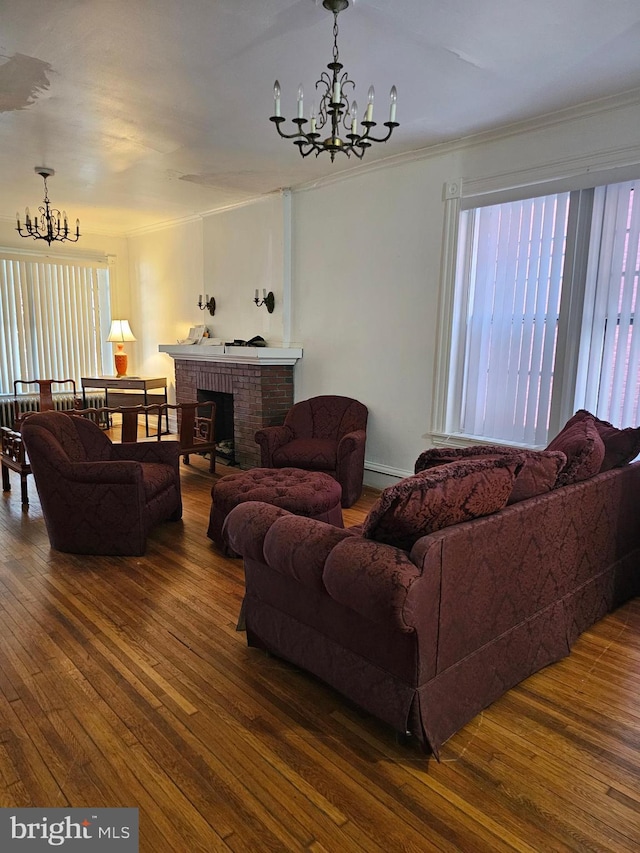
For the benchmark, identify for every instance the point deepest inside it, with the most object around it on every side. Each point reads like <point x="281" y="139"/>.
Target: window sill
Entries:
<point x="440" y="439"/>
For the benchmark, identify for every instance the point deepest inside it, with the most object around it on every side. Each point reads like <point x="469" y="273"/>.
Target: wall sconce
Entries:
<point x="267" y="299"/>
<point x="209" y="304"/>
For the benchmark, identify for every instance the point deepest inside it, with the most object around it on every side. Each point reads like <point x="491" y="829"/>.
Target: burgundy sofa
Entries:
<point x="427" y="635"/>
<point x="98" y="497"/>
<point x="326" y="433"/>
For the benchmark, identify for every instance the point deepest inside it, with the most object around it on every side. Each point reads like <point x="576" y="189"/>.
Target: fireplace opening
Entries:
<point x="224" y="423"/>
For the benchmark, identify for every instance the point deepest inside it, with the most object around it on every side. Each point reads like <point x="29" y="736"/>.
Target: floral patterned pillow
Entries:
<point x="621" y="446"/>
<point x="537" y="475"/>
<point x="580" y="441"/>
<point x="440" y="497"/>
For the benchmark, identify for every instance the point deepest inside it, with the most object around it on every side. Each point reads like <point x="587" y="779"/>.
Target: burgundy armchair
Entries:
<point x="325" y="433"/>
<point x="98" y="497"/>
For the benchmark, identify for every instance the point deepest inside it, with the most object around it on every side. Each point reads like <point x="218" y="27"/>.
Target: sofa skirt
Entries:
<point x="434" y="709"/>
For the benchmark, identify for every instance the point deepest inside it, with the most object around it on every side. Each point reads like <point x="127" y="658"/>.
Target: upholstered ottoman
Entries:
<point x="308" y="493"/>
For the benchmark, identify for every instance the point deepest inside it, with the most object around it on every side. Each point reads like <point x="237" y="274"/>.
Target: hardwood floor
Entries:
<point x="123" y="682"/>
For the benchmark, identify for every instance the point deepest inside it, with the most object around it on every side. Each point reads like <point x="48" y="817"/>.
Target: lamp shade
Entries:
<point x="120" y="331"/>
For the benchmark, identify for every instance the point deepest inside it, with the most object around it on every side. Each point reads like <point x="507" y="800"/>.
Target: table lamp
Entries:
<point x="120" y="332"/>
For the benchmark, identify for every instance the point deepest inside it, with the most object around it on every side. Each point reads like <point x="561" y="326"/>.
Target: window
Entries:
<point x="54" y="317"/>
<point x="608" y="380"/>
<point x="543" y="315"/>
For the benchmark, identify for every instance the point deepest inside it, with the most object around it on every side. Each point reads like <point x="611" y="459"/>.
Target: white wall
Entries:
<point x="366" y="258"/>
<point x="243" y="250"/>
<point x="226" y="255"/>
<point x="365" y="272"/>
<point x="167" y="267"/>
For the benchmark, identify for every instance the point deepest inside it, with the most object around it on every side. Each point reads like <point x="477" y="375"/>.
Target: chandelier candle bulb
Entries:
<point x="276" y="98"/>
<point x="256" y="296"/>
<point x="300" y="102"/>
<point x="336" y="92"/>
<point x="370" y="97"/>
<point x="354" y="117"/>
<point x="392" y="107"/>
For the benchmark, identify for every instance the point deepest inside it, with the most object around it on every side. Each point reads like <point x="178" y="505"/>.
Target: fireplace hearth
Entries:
<point x="223" y="429"/>
<point x="260" y="395"/>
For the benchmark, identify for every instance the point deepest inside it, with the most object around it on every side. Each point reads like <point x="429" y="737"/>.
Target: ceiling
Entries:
<point x="155" y="110"/>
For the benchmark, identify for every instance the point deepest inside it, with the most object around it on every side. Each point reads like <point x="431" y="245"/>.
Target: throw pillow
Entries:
<point x="438" y="498"/>
<point x="580" y="441"/>
<point x="537" y="475"/>
<point x="621" y="446"/>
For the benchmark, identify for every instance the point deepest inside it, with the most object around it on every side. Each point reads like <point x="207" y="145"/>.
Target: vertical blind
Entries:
<point x="514" y="278"/>
<point x="610" y="381"/>
<point x="51" y="319"/>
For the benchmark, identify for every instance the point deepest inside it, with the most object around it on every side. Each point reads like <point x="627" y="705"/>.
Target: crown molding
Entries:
<point x="161" y="226"/>
<point x="576" y="113"/>
<point x="281" y="192"/>
<point x="198" y="217"/>
<point x="587" y="109"/>
<point x="113" y="234"/>
<point x="604" y="161"/>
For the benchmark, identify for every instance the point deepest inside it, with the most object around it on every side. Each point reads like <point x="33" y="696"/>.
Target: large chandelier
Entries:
<point x="334" y="109"/>
<point x="48" y="225"/>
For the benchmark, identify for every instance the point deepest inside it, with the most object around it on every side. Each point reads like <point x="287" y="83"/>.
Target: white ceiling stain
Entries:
<point x="244" y="180"/>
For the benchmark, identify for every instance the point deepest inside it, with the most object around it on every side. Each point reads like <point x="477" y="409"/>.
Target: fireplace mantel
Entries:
<point x="233" y="355"/>
<point x="260" y="379"/>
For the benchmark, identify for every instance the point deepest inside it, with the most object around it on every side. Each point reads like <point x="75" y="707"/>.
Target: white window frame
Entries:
<point x="457" y="197"/>
<point x="34" y="352"/>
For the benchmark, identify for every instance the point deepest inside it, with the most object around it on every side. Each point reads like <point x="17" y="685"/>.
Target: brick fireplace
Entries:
<point x="262" y="395"/>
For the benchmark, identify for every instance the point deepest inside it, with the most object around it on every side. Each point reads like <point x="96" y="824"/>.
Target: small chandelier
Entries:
<point x="334" y="109"/>
<point x="47" y="225"/>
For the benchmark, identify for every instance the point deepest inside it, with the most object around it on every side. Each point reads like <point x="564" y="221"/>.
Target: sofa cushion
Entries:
<point x="580" y="441"/>
<point x="536" y="476"/>
<point x="316" y="454"/>
<point x="440" y="497"/>
<point x="621" y="446"/>
<point x="156" y="477"/>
